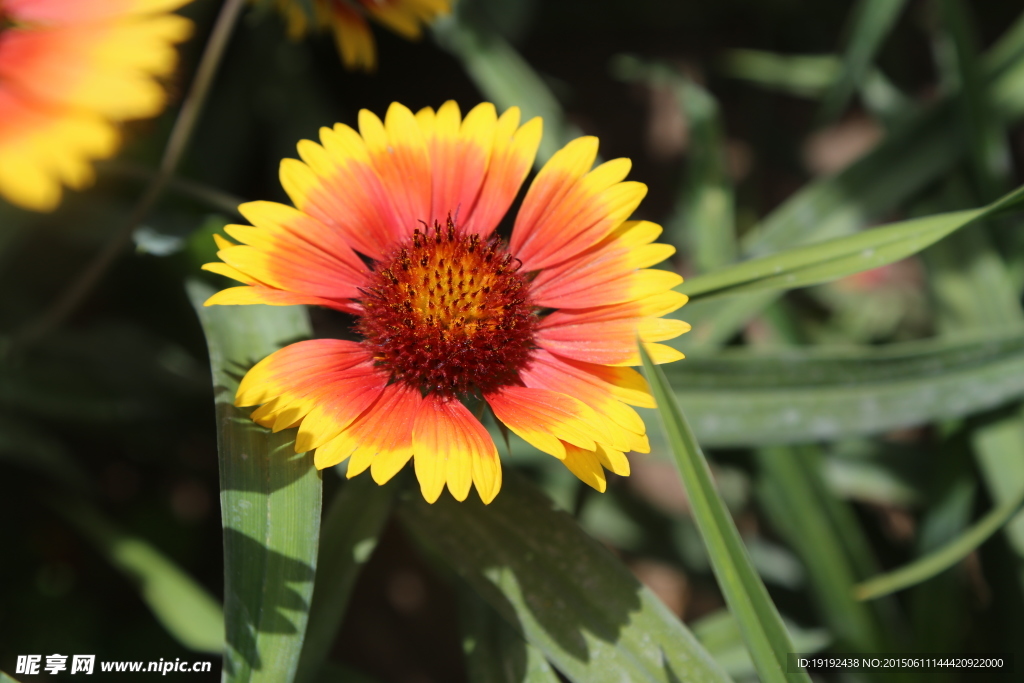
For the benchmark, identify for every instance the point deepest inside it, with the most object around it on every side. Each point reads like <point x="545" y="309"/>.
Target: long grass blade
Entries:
<point x="816" y="263"/>
<point x="763" y="631"/>
<point x="270" y="499"/>
<point x="351" y="528"/>
<point x="180" y="604"/>
<point x="945" y="557"/>
<point x="796" y="396"/>
<point x="871" y="21"/>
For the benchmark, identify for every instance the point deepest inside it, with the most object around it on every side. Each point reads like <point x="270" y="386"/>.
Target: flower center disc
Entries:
<point x="449" y="313"/>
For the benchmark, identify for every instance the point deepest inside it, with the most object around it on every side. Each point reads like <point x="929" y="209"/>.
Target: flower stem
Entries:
<point x="184" y="125"/>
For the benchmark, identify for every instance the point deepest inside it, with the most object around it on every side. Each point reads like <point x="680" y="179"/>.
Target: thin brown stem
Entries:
<point x="184" y="125"/>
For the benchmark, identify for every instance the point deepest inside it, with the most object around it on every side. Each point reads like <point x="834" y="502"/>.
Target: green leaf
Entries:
<point x="802" y="266"/>
<point x="720" y="633"/>
<point x="924" y="147"/>
<point x="763" y="631"/>
<point x="351" y="527"/>
<point x="871" y="21"/>
<point x="4" y="678"/>
<point x="792" y="396"/>
<point x="559" y="588"/>
<point x="792" y="494"/>
<point x="495" y="653"/>
<point x="182" y="606"/>
<point x="270" y="499"/>
<point x="945" y="557"/>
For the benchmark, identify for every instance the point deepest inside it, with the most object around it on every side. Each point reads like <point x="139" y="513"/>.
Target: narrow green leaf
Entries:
<point x="740" y="398"/>
<point x="4" y="678"/>
<point x="495" y="652"/>
<point x="924" y="147"/>
<point x="182" y="606"/>
<point x="748" y="600"/>
<point x="720" y="633"/>
<point x="503" y="76"/>
<point x="562" y="590"/>
<point x="945" y="557"/>
<point x="351" y="527"/>
<point x="791" y="494"/>
<point x="824" y="261"/>
<point x="270" y="499"/>
<point x="870" y="23"/>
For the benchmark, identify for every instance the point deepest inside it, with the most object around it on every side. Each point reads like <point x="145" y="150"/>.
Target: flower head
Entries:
<point x="396" y="225"/>
<point x="346" y="19"/>
<point x="70" y="70"/>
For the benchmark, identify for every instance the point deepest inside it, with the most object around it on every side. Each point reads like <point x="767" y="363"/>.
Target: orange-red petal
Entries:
<point x="570" y="208"/>
<point x="451" y="446"/>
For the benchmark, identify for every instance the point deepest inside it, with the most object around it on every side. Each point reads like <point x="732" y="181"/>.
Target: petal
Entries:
<point x="337" y="184"/>
<point x="568" y="209"/>
<point x="607" y="273"/>
<point x="459" y="155"/>
<point x="338" y="402"/>
<point x="546" y="418"/>
<point x="353" y="37"/>
<point x="79" y="11"/>
<point x="585" y="465"/>
<point x="514" y="149"/>
<point x="452" y="446"/>
<point x="102" y="67"/>
<point x="399" y="156"/>
<point x="245" y="296"/>
<point x="287" y="368"/>
<point x="606" y="335"/>
<point x="381" y="437"/>
<point x="547" y="371"/>
<point x="43" y="147"/>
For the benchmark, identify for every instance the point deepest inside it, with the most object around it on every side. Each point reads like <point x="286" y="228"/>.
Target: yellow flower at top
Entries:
<point x="346" y="19"/>
<point x="396" y="225"/>
<point x="70" y="70"/>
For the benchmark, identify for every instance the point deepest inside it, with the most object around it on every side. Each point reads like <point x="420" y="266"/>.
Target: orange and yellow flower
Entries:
<point x="346" y="19"/>
<point x="70" y="70"/>
<point x="396" y="225"/>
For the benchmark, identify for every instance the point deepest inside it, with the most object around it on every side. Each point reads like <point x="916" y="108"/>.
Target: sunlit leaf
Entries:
<point x="351" y="528"/>
<point x="562" y="590"/>
<point x="270" y="499"/>
<point x="794" y="396"/>
<point x="763" y="631"/>
<point x="495" y="652"/>
<point x="825" y="261"/>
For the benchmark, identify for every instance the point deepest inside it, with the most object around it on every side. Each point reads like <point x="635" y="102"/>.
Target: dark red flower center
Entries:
<point x="448" y="312"/>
